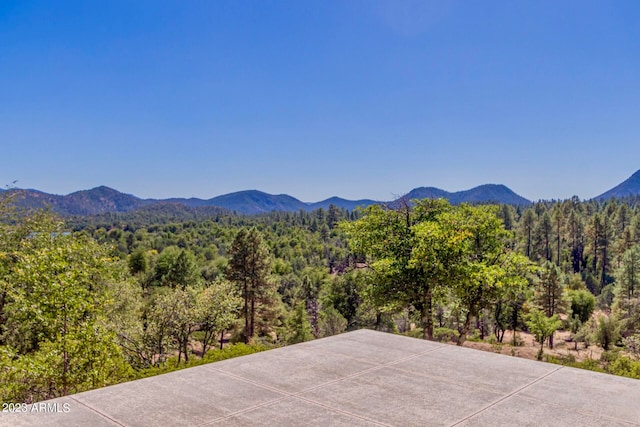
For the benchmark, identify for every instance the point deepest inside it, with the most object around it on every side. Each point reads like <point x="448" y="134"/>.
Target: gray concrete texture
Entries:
<point x="357" y="378"/>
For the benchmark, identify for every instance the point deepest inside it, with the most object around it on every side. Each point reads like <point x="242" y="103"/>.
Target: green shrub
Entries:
<point x="415" y="333"/>
<point x="475" y="336"/>
<point x="445" y="334"/>
<point x="625" y="367"/>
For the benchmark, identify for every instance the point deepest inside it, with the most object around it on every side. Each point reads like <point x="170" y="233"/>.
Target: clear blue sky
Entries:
<point x="354" y="98"/>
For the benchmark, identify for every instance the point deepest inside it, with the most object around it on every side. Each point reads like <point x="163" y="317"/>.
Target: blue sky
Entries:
<point x="354" y="98"/>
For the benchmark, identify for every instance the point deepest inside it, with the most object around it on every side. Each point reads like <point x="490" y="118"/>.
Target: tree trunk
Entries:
<point x="465" y="329"/>
<point x="208" y="335"/>
<point x="253" y="316"/>
<point x="541" y="351"/>
<point x="427" y="316"/>
<point x="65" y="355"/>
<point x="246" y="313"/>
<point x="221" y="339"/>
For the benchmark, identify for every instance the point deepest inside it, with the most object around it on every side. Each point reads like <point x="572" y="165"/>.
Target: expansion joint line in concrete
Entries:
<point x="506" y="397"/>
<point x="102" y="414"/>
<point x="298" y="395"/>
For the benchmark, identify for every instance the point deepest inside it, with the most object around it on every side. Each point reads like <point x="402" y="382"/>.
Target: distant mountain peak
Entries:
<point x="629" y="187"/>
<point x="486" y="193"/>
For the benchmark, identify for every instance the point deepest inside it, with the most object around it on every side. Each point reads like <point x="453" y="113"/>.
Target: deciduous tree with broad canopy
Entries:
<point x="429" y="250"/>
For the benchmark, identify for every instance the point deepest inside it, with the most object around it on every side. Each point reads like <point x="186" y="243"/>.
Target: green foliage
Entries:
<point x="445" y="335"/>
<point x="434" y="251"/>
<point x="485" y="271"/>
<point x="344" y="293"/>
<point x="248" y="268"/>
<point x="549" y="290"/>
<point x="138" y="261"/>
<point x="57" y="337"/>
<point x="542" y="326"/>
<point x="331" y="322"/>
<point x="628" y="274"/>
<point x="582" y="304"/>
<point x="298" y="326"/>
<point x="176" y="268"/>
<point x="607" y="332"/>
<point x="216" y="309"/>
<point x="401" y="272"/>
<point x="606" y="297"/>
<point x="447" y="266"/>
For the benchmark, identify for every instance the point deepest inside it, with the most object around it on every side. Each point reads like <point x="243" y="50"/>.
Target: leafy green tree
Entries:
<point x="542" y="326"/>
<point x="158" y="330"/>
<point x="608" y="331"/>
<point x="402" y="273"/>
<point x="479" y="261"/>
<point x="176" y="268"/>
<point x="582" y="304"/>
<point x="56" y="298"/>
<point x="217" y="308"/>
<point x="138" y="261"/>
<point x="344" y="293"/>
<point x="182" y="313"/>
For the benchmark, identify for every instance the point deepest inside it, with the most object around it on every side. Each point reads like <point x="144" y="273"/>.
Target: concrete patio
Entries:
<point x="357" y="378"/>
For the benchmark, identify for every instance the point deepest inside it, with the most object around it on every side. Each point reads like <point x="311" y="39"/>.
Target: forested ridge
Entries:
<point x="96" y="300"/>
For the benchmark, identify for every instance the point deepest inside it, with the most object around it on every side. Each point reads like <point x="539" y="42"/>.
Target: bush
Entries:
<point x="415" y="333"/>
<point x="475" y="336"/>
<point x="625" y="367"/>
<point x="445" y="334"/>
<point x="607" y="332"/>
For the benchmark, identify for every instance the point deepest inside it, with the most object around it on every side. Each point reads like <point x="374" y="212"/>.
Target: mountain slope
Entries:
<point x="426" y="193"/>
<point x="341" y="203"/>
<point x="254" y="202"/>
<point x="100" y="200"/>
<point x="86" y="202"/>
<point x="488" y="193"/>
<point x="629" y="187"/>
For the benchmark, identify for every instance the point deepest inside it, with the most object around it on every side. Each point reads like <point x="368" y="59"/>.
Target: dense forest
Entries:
<point x="95" y="300"/>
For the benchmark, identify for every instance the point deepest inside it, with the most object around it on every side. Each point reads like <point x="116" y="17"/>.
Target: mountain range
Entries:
<point x="103" y="199"/>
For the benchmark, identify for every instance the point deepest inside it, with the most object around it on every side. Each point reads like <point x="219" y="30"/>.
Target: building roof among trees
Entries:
<point x="357" y="378"/>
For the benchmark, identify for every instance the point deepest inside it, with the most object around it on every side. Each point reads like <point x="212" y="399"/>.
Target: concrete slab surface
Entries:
<point x="360" y="378"/>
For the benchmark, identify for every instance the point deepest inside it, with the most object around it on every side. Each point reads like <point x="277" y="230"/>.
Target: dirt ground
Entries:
<point x="529" y="347"/>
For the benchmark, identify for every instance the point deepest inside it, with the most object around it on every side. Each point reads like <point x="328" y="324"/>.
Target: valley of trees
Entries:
<point x="96" y="300"/>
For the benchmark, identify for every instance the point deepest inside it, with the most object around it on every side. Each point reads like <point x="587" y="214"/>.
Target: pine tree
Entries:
<point x="248" y="268"/>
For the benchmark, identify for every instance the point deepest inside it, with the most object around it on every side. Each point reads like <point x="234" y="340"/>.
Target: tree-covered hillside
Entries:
<point x="111" y="297"/>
